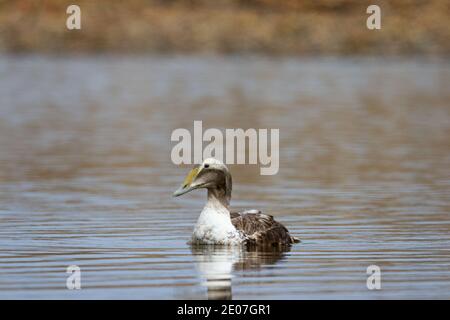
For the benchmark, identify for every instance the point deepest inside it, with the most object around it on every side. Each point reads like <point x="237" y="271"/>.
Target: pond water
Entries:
<point x="86" y="176"/>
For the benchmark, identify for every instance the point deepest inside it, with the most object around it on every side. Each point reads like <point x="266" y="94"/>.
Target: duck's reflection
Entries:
<point x="216" y="265"/>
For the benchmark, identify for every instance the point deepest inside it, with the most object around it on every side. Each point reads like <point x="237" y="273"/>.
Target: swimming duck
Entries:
<point x="217" y="225"/>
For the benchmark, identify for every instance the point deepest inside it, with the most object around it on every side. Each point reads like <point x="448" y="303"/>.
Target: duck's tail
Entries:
<point x="295" y="240"/>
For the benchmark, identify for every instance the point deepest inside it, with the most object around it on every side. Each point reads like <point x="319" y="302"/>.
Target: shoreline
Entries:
<point x="292" y="28"/>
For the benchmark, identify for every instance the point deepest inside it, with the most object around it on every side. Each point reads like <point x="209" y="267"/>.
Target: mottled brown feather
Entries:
<point x="261" y="229"/>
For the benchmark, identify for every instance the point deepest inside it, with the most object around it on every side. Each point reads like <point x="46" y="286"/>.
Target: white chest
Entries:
<point x="214" y="227"/>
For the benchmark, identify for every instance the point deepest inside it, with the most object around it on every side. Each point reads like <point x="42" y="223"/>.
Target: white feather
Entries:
<point x="214" y="226"/>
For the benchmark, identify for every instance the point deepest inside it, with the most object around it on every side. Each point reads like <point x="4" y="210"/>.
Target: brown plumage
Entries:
<point x="261" y="229"/>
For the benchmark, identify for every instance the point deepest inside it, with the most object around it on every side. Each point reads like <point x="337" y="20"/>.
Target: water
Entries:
<point x="86" y="177"/>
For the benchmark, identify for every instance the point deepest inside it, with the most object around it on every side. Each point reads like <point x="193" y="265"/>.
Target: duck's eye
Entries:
<point x="206" y="165"/>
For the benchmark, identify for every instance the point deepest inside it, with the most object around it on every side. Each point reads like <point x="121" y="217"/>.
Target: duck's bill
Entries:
<point x="182" y="190"/>
<point x="187" y="184"/>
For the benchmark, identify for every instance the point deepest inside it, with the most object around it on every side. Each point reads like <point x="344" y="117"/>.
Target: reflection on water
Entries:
<point x="215" y="265"/>
<point x="86" y="176"/>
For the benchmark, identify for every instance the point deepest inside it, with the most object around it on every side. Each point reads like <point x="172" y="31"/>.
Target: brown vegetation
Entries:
<point x="227" y="26"/>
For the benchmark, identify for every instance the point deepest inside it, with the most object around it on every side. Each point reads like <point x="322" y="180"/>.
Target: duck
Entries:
<point x="217" y="225"/>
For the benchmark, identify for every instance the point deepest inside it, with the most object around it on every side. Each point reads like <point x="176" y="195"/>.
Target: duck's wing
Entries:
<point x="261" y="229"/>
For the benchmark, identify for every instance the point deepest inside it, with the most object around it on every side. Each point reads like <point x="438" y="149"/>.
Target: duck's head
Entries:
<point x="212" y="174"/>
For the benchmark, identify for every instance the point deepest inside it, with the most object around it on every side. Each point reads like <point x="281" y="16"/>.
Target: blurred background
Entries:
<point x="86" y="118"/>
<point x="272" y="27"/>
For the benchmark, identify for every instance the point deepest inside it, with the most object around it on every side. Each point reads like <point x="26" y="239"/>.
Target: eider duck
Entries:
<point x="217" y="225"/>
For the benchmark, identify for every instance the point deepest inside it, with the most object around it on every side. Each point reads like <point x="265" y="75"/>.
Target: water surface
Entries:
<point x="86" y="177"/>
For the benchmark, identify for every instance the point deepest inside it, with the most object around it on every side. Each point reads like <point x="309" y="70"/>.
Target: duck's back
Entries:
<point x="261" y="229"/>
